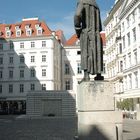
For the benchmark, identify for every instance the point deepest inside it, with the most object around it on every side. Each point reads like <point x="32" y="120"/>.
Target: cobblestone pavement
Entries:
<point x="37" y="129"/>
<point x="53" y="129"/>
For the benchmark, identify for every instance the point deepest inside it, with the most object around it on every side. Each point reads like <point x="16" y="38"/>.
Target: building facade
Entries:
<point x="71" y="70"/>
<point x="33" y="58"/>
<point x="122" y="27"/>
<point x="30" y="60"/>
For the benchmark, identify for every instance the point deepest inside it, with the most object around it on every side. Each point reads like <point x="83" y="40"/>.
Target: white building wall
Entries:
<point x="126" y="84"/>
<point x="38" y="65"/>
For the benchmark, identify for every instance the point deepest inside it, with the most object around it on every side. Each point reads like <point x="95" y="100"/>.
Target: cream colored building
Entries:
<point x="30" y="60"/>
<point x="71" y="70"/>
<point x="122" y="27"/>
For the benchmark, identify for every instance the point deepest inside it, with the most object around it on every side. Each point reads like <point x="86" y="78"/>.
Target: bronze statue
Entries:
<point x="87" y="24"/>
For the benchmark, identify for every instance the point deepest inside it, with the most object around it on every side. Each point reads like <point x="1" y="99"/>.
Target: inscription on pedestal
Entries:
<point x="95" y="95"/>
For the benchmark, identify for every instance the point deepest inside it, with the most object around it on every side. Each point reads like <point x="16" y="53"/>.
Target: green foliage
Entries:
<point x="126" y="104"/>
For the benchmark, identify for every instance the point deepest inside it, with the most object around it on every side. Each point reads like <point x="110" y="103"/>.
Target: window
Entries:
<point x="32" y="44"/>
<point x="43" y="72"/>
<point x="67" y="69"/>
<point x="10" y="88"/>
<point x="10" y="73"/>
<point x="21" y="73"/>
<point x="22" y="60"/>
<point x="32" y="87"/>
<point x="78" y="52"/>
<point x="28" y="32"/>
<point x="1" y="74"/>
<point x="17" y="27"/>
<point x="136" y="79"/>
<point x="123" y="27"/>
<point x="133" y="17"/>
<point x="135" y="57"/>
<point x="120" y="48"/>
<point x="1" y="60"/>
<point x="43" y="58"/>
<point x="11" y="60"/>
<point x="121" y="66"/>
<point x="37" y="26"/>
<point x="18" y="33"/>
<point x="21" y="88"/>
<point x="43" y="86"/>
<point x="130" y="81"/>
<point x="128" y="39"/>
<point x="124" y="58"/>
<point x="8" y="33"/>
<point x="139" y="11"/>
<point x="1" y="46"/>
<point x="79" y="71"/>
<point x="11" y="45"/>
<point x="22" y="45"/>
<point x="0" y="88"/>
<point x="77" y="42"/>
<point x="129" y="59"/>
<point x="134" y="34"/>
<point x="125" y="82"/>
<point x="32" y="72"/>
<point x="123" y="39"/>
<point x="67" y="85"/>
<point x="39" y="31"/>
<point x="27" y="26"/>
<point x="43" y="43"/>
<point x="32" y="59"/>
<point x="128" y="21"/>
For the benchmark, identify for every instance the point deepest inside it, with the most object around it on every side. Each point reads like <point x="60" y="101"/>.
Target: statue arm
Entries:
<point x="78" y="19"/>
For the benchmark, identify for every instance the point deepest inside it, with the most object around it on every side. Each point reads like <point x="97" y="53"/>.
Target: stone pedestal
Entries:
<point x="97" y="118"/>
<point x="138" y="115"/>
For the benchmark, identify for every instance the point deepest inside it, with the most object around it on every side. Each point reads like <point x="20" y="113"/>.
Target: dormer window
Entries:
<point x="29" y="32"/>
<point x="37" y="26"/>
<point x="18" y="33"/>
<point x="8" y="33"/>
<point x="17" y="27"/>
<point x="39" y="31"/>
<point x="77" y="42"/>
<point x="7" y="28"/>
<point x="27" y="27"/>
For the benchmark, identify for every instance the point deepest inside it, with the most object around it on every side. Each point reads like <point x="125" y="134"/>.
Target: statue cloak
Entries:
<point x="87" y="23"/>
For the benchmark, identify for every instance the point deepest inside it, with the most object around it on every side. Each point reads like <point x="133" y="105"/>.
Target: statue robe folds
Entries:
<point x="87" y="23"/>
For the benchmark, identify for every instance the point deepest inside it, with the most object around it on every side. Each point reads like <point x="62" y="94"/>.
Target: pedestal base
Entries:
<point x="102" y="125"/>
<point x="97" y="118"/>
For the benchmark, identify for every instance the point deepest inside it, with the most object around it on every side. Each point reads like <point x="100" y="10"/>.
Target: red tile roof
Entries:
<point x="103" y="38"/>
<point x="45" y="32"/>
<point x="72" y="41"/>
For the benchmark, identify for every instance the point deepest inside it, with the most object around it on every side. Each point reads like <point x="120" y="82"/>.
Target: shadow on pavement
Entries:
<point x="94" y="133"/>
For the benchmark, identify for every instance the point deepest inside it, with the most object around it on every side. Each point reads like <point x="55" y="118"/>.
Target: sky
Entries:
<point x="58" y="14"/>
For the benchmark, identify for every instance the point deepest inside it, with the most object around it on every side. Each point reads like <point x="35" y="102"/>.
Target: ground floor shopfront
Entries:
<point x="12" y="106"/>
<point x="129" y="103"/>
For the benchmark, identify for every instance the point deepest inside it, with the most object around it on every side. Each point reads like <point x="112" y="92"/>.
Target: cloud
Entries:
<point x="66" y="24"/>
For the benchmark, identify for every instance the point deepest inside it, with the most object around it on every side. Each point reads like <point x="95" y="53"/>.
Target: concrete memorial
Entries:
<point x="97" y="118"/>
